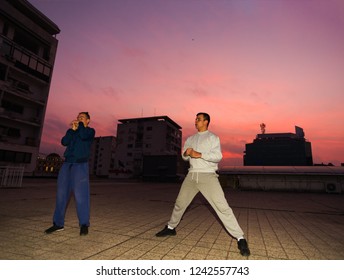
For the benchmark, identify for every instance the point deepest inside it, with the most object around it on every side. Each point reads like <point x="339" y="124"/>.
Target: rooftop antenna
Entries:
<point x="262" y="128"/>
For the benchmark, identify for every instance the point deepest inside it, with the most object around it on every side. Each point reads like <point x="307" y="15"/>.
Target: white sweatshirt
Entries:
<point x="208" y="144"/>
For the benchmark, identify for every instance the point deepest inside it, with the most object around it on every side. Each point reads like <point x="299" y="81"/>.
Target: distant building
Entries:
<point x="329" y="179"/>
<point x="48" y="166"/>
<point x="102" y="158"/>
<point x="279" y="149"/>
<point x="164" y="168"/>
<point x="140" y="137"/>
<point x="27" y="54"/>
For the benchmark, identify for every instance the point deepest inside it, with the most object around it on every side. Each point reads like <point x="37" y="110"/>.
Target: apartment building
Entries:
<point x="102" y="158"/>
<point x="28" y="48"/>
<point x="279" y="149"/>
<point x="147" y="136"/>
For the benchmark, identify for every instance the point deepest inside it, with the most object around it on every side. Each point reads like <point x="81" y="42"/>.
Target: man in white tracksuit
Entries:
<point x="203" y="151"/>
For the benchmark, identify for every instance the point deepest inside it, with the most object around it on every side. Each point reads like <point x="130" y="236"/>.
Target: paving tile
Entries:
<point x="171" y="257"/>
<point x="132" y="254"/>
<point x="195" y="256"/>
<point x="151" y="256"/>
<point x="220" y="254"/>
<point x="126" y="215"/>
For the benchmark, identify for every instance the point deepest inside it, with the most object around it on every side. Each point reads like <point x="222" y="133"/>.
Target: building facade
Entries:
<point x="27" y="54"/>
<point x="102" y="158"/>
<point x="140" y="137"/>
<point x="279" y="149"/>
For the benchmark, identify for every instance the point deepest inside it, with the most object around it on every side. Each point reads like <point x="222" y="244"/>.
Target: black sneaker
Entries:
<point x="83" y="230"/>
<point x="53" y="229"/>
<point x="243" y="247"/>
<point x="166" y="232"/>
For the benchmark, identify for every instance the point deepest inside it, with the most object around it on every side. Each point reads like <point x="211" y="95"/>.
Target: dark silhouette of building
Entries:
<point x="279" y="149"/>
<point x="102" y="158"/>
<point x="164" y="168"/>
<point x="28" y="47"/>
<point x="147" y="137"/>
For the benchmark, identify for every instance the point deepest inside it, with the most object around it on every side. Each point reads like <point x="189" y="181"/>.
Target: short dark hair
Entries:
<point x="206" y="117"/>
<point x="86" y="113"/>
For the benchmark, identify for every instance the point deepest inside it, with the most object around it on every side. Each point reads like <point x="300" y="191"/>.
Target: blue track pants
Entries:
<point x="73" y="178"/>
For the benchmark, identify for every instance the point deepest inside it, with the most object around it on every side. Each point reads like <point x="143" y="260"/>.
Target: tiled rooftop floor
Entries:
<point x="126" y="215"/>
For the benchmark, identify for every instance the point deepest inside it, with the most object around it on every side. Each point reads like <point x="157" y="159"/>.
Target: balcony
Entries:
<point x="16" y="88"/>
<point x="33" y="121"/>
<point x="25" y="60"/>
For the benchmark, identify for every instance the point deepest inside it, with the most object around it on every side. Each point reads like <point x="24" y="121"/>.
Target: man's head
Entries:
<point x="202" y="121"/>
<point x="84" y="117"/>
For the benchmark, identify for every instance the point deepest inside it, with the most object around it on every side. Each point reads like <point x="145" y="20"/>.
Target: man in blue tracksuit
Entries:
<point x="74" y="175"/>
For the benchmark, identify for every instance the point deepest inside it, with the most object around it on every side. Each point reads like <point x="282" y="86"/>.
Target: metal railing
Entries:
<point x="11" y="176"/>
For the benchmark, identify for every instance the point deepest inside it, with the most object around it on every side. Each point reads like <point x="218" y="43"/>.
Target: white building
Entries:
<point x="146" y="136"/>
<point x="102" y="158"/>
<point x="27" y="54"/>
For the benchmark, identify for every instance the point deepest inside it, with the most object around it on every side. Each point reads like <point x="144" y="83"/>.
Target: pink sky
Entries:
<point x="280" y="62"/>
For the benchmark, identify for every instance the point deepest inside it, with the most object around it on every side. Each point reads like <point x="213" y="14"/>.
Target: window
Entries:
<point x="46" y="71"/>
<point x="10" y="131"/>
<point x="33" y="63"/>
<point x="9" y="106"/>
<point x="3" y="70"/>
<point x="23" y="86"/>
<point x="25" y="40"/>
<point x="46" y="53"/>
<point x="5" y="29"/>
<point x="15" y="157"/>
<point x="25" y="59"/>
<point x="6" y="49"/>
<point x="40" y="67"/>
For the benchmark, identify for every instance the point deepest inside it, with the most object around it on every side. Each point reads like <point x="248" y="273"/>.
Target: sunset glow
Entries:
<point x="244" y="62"/>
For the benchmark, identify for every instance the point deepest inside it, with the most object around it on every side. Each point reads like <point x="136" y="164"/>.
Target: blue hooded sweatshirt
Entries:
<point x="78" y="143"/>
